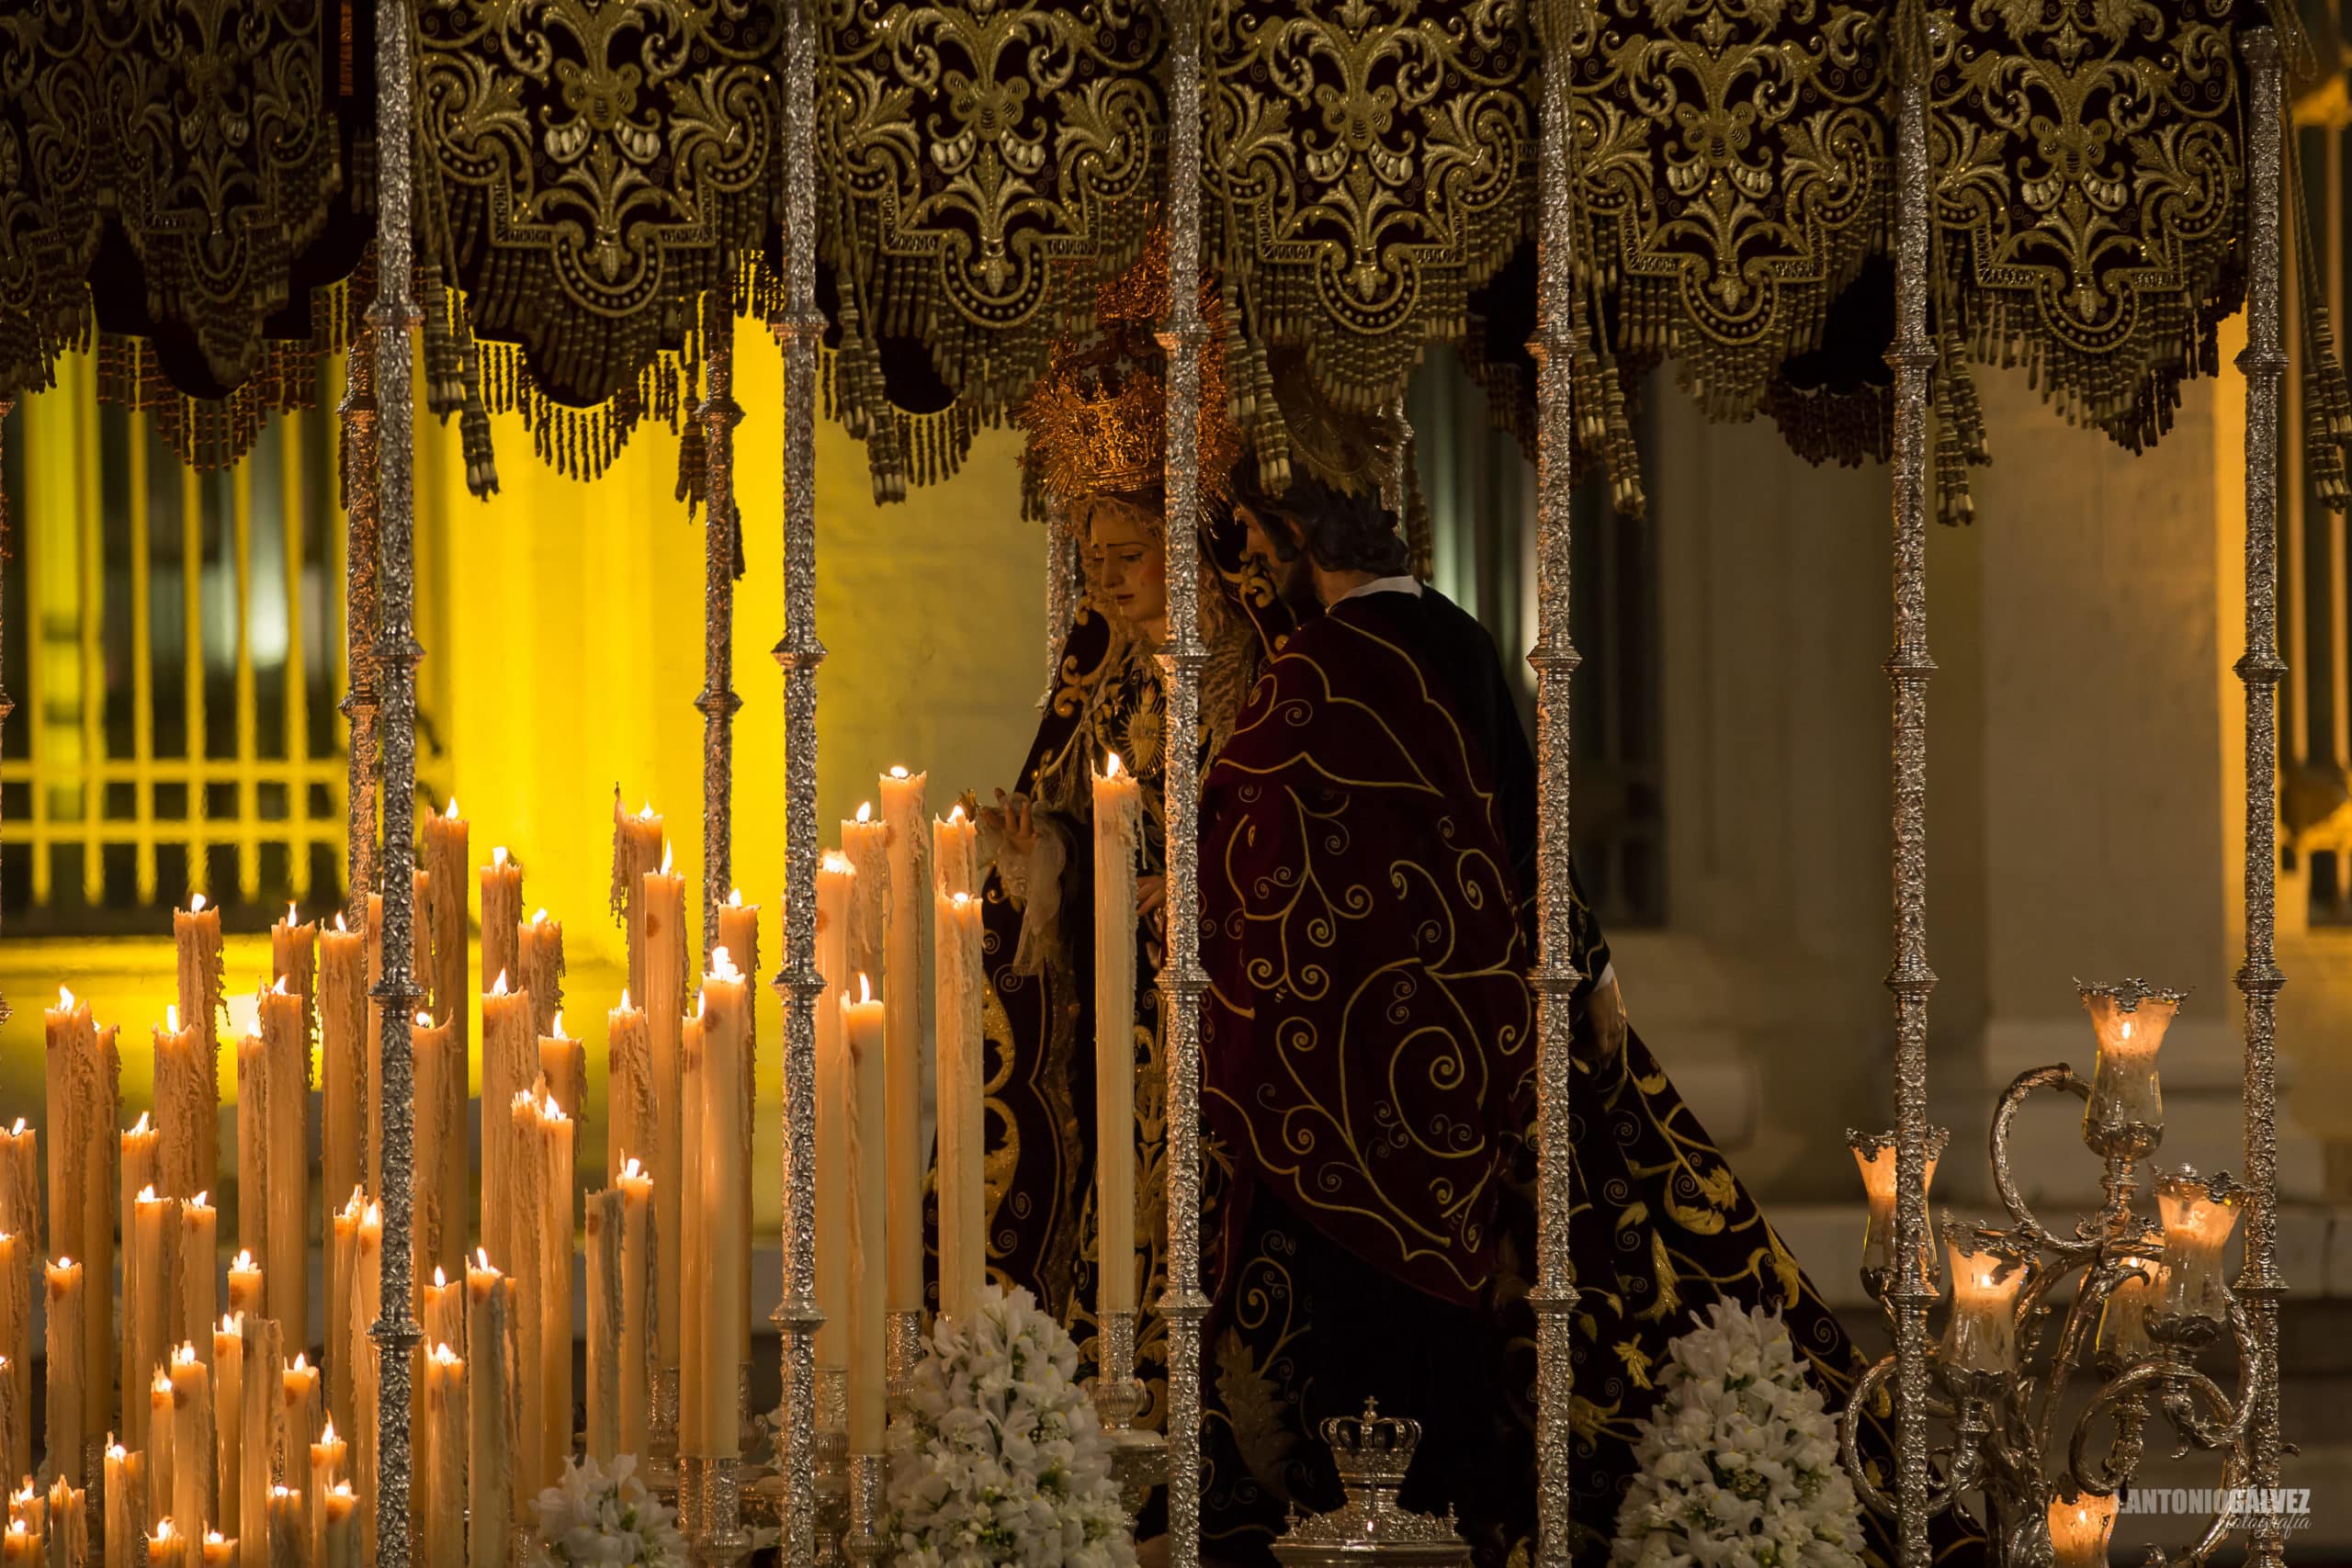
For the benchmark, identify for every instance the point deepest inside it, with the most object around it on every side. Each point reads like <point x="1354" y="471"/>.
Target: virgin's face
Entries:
<point x="1129" y="561"/>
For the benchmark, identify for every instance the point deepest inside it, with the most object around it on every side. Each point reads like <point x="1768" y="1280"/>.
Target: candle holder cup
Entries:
<point x="662" y="1467"/>
<point x="1138" y="1456"/>
<point x="861" y="1540"/>
<point x="901" y="1350"/>
<point x="2124" y="1117"/>
<point x="720" y="1540"/>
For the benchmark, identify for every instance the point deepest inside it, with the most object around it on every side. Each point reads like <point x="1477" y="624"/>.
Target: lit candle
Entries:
<point x="563" y="1062"/>
<point x="298" y="1423"/>
<point x="195" y="1290"/>
<point x="29" y="1505"/>
<point x="367" y="1303"/>
<point x="255" y="1167"/>
<point x="253" y="1418"/>
<point x="490" y="1411"/>
<point x="510" y="1061"/>
<point x="963" y="1150"/>
<point x="245" y="1285"/>
<point x="187" y="1081"/>
<point x="1118" y="820"/>
<point x="192" y="1472"/>
<point x="219" y="1550"/>
<point x="2123" y="1316"/>
<point x="502" y="915"/>
<point x="290" y="1530"/>
<point x="66" y="1359"/>
<point x="739" y="933"/>
<point x="637" y="843"/>
<point x="16" y="1346"/>
<point x="665" y="907"/>
<point x="906" y="924"/>
<point x="343" y="1061"/>
<point x="715" y="1218"/>
<point x="606" y="1223"/>
<point x="294" y="959"/>
<point x="628" y="1087"/>
<point x="444" y="1459"/>
<point x="864" y="1023"/>
<point x="21" y="1548"/>
<point x="2125" y="1114"/>
<point x="84" y="1074"/>
<point x="694" y="1254"/>
<point x="1986" y="1277"/>
<point x="866" y="844"/>
<point x="955" y="853"/>
<point x="637" y="1249"/>
<point x="341" y="1536"/>
<point x="160" y="1479"/>
<point x="442" y="1312"/>
<point x="2199" y="1215"/>
<point x="167" y="1548"/>
<point x="437" y="1228"/>
<point x="835" y="887"/>
<point x="539" y="965"/>
<point x="137" y="1170"/>
<point x="327" y="1457"/>
<point x="443" y="859"/>
<point x="343" y="1265"/>
<point x="20" y="1210"/>
<point x="285" y="1027"/>
<point x="124" y="1506"/>
<point x="150" y="1286"/>
<point x="229" y="1388"/>
<point x="1874" y="1157"/>
<point x="2079" y="1529"/>
<point x="69" y="1525"/>
<point x="542" y="1237"/>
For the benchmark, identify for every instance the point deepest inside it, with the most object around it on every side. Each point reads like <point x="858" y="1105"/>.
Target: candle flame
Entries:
<point x="25" y="1495"/>
<point x="326" y="1434"/>
<point x="242" y="1263"/>
<point x="291" y="918"/>
<point x="634" y="1170"/>
<point x="498" y="857"/>
<point x="540" y="918"/>
<point x="666" y="861"/>
<point x="734" y="897"/>
<point x="961" y="901"/>
<point x="898" y="773"/>
<point x="624" y="1006"/>
<point x="172" y="1019"/>
<point x="424" y="1021"/>
<point x="722" y="964"/>
<point x="232" y="1323"/>
<point x="214" y="1537"/>
<point x="282" y="1493"/>
<point x="444" y="1356"/>
<point x="481" y="1261"/>
<point x="559" y="1024"/>
<point x="302" y="1362"/>
<point x="196" y="903"/>
<point x="374" y="1215"/>
<point x="201" y="1200"/>
<point x="550" y="1113"/>
<point x="162" y="1385"/>
<point x="865" y="990"/>
<point x="498" y="987"/>
<point x="141" y="1126"/>
<point x="147" y="1194"/>
<point x="1112" y="770"/>
<point x="440" y="1280"/>
<point x="18" y="1129"/>
<point x="865" y="811"/>
<point x="838" y="864"/>
<point x="16" y="1527"/>
<point x="645" y="812"/>
<point x="280" y="988"/>
<point x="163" y="1531"/>
<point x="339" y="926"/>
<point x="64" y="999"/>
<point x="452" y="813"/>
<point x="116" y="1451"/>
<point x="355" y="1205"/>
<point x="341" y="1493"/>
<point x="185" y="1355"/>
<point x="956" y="817"/>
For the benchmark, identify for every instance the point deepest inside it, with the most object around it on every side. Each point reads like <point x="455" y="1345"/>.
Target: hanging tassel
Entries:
<point x="2327" y="402"/>
<point x="1960" y="430"/>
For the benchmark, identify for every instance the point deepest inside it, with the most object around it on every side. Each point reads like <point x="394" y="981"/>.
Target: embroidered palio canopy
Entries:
<point x="197" y="194"/>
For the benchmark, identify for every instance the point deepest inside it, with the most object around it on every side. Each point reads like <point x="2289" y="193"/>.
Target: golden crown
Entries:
<point x="1097" y="421"/>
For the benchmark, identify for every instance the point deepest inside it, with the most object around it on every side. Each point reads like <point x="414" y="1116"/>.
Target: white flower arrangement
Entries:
<point x="1000" y="1459"/>
<point x="1740" y="1464"/>
<point x="596" y="1518"/>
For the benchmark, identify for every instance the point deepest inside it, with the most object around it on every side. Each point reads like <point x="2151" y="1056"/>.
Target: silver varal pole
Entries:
<point x="394" y="316"/>
<point x="1913" y="360"/>
<point x="1182" y="982"/>
<point x="1555" y="660"/>
<point x="362" y="562"/>
<point x="798" y="982"/>
<point x="2264" y="362"/>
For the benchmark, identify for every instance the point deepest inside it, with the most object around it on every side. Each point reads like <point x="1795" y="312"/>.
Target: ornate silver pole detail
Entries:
<point x="719" y="414"/>
<point x="393" y="315"/>
<point x="1182" y="982"/>
<point x="1554" y="658"/>
<point x="6" y="707"/>
<point x="798" y="982"/>
<point x="1913" y="360"/>
<point x="2263" y="363"/>
<point x="1061" y="591"/>
<point x="361" y="700"/>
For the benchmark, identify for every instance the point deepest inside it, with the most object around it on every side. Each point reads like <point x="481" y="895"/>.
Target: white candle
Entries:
<point x="490" y="1416"/>
<point x="437" y="1063"/>
<point x="665" y="1017"/>
<point x="192" y="1470"/>
<point x="902" y="811"/>
<point x="866" y="844"/>
<point x="444" y="1459"/>
<point x="636" y="1248"/>
<point x="607" y="1224"/>
<point x="343" y="1063"/>
<point x="963" y="1242"/>
<point x="835" y="884"/>
<point x="84" y="1074"/>
<point x="187" y="1083"/>
<point x="714" y="1218"/>
<point x="955" y="853"/>
<point x="229" y="1382"/>
<point x="510" y="1063"/>
<point x="863" y="1022"/>
<point x="539" y="967"/>
<point x="65" y="1320"/>
<point x="1118" y="816"/>
<point x="502" y="915"/>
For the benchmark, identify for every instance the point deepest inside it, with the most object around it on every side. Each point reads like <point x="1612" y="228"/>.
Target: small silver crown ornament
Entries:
<point x="1371" y="1453"/>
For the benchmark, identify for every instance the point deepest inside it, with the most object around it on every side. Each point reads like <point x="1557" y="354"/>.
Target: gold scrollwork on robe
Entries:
<point x="49" y="199"/>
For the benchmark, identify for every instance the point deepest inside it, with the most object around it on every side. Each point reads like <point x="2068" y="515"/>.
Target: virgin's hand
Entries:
<point x="1151" y="895"/>
<point x="1601" y="1023"/>
<point x="1010" y="819"/>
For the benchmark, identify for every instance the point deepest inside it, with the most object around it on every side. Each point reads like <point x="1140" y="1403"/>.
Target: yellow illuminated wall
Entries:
<point x="562" y="622"/>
